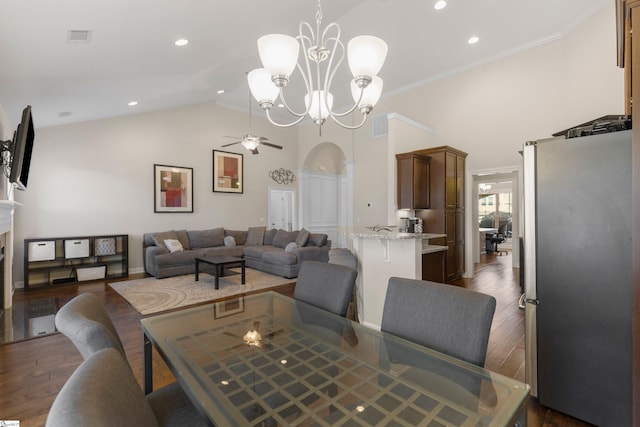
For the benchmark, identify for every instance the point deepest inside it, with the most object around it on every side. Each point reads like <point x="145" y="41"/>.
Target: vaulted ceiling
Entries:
<point x="130" y="54"/>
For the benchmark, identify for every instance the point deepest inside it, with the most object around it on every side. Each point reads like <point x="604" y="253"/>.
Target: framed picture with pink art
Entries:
<point x="173" y="187"/>
<point x="227" y="172"/>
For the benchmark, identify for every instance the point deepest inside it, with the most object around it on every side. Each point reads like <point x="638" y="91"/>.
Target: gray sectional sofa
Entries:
<point x="280" y="252"/>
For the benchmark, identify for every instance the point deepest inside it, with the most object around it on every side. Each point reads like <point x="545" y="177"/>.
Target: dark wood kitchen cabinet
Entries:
<point x="446" y="208"/>
<point x="413" y="181"/>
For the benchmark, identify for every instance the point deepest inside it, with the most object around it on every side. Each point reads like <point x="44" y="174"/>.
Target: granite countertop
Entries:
<point x="395" y="235"/>
<point x="429" y="249"/>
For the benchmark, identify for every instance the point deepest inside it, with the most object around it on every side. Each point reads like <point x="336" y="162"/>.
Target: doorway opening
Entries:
<point x="495" y="206"/>
<point x="495" y="216"/>
<point x="281" y="209"/>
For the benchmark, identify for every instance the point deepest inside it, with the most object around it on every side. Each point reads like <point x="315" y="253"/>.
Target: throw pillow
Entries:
<point x="290" y="247"/>
<point x="159" y="238"/>
<point x="184" y="239"/>
<point x="255" y="236"/>
<point x="302" y="238"/>
<point x="282" y="238"/>
<point x="317" y="239"/>
<point x="206" y="238"/>
<point x="269" y="235"/>
<point x="239" y="235"/>
<point x="229" y="241"/>
<point x="173" y="245"/>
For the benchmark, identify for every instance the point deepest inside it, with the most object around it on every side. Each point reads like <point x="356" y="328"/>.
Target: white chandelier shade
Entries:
<point x="366" y="55"/>
<point x="370" y="94"/>
<point x="323" y="53"/>
<point x="319" y="109"/>
<point x="261" y="86"/>
<point x="278" y="53"/>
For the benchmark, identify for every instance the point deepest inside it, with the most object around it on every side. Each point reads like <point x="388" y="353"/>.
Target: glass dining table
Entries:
<point x="269" y="360"/>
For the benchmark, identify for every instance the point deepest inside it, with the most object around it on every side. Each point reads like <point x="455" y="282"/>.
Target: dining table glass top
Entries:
<point x="269" y="360"/>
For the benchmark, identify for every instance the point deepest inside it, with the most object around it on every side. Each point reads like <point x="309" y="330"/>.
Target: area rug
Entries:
<point x="151" y="295"/>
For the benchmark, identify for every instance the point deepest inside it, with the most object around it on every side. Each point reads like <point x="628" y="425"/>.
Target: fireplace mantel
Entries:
<point x="6" y="210"/>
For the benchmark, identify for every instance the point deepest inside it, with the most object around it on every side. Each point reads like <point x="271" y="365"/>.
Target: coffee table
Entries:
<point x="219" y="262"/>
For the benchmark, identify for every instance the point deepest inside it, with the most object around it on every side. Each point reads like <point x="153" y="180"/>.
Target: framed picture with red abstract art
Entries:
<point x="227" y="172"/>
<point x="173" y="189"/>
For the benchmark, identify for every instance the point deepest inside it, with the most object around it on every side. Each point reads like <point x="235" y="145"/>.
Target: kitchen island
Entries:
<point x="382" y="255"/>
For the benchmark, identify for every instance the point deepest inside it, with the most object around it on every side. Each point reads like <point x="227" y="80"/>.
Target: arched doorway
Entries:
<point x="325" y="189"/>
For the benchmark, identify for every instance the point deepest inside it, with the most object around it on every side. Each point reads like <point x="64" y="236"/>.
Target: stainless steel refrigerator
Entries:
<point x="578" y="275"/>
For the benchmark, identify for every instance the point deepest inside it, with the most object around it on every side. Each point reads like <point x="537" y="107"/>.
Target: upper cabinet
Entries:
<point x="413" y="181"/>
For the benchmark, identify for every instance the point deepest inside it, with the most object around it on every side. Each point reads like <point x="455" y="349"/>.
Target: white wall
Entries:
<point x="97" y="177"/>
<point x="490" y="111"/>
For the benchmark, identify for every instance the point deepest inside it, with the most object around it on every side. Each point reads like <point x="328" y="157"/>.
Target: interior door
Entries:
<point x="281" y="209"/>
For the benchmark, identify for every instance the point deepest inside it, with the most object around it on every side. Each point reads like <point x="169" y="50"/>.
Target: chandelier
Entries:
<point x="323" y="53"/>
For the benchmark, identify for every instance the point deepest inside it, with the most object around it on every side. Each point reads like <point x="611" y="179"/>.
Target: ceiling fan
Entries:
<point x="251" y="141"/>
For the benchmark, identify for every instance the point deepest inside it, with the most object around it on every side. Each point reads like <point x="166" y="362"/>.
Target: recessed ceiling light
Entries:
<point x="473" y="40"/>
<point x="220" y="91"/>
<point x="440" y="4"/>
<point x="181" y="42"/>
<point x="132" y="103"/>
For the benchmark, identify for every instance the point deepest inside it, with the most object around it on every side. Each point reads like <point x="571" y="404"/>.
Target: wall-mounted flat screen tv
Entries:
<point x="22" y="150"/>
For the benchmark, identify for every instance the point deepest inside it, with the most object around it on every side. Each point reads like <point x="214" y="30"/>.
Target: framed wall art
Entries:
<point x="228" y="307"/>
<point x="227" y="172"/>
<point x="173" y="189"/>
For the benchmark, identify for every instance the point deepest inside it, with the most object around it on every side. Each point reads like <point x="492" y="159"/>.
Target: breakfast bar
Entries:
<point x="382" y="255"/>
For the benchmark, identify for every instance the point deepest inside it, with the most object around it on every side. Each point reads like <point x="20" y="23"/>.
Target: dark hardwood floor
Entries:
<point x="33" y="371"/>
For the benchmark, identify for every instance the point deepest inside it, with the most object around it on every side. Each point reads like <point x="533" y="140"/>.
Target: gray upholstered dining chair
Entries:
<point x="102" y="391"/>
<point x="446" y="318"/>
<point x="324" y="285"/>
<point x="87" y="324"/>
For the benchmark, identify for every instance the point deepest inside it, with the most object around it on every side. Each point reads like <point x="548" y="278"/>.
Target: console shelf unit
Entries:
<point x="59" y="269"/>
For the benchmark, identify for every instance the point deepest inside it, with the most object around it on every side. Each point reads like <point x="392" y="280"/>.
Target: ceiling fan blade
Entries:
<point x="234" y="137"/>
<point x="268" y="144"/>
<point x="263" y="138"/>
<point x="255" y="151"/>
<point x="233" y="143"/>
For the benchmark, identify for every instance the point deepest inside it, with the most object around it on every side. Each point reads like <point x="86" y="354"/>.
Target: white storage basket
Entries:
<point x="76" y="248"/>
<point x="42" y="251"/>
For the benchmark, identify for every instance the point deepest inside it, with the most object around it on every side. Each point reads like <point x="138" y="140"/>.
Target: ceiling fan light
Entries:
<point x="262" y="88"/>
<point x="250" y="143"/>
<point x="366" y="55"/>
<point x="279" y="54"/>
<point x="319" y="110"/>
<point x="370" y="95"/>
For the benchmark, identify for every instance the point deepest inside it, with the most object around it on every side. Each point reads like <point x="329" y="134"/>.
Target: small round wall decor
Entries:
<point x="282" y="176"/>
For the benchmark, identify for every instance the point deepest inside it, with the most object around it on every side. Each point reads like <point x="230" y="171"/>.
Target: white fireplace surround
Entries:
<point x="6" y="225"/>
<point x="6" y="214"/>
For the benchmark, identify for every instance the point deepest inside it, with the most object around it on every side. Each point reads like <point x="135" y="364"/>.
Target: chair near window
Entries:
<point x="87" y="324"/>
<point x="325" y="285"/>
<point x="445" y="318"/>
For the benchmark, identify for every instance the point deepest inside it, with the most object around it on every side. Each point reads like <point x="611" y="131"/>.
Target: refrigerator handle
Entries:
<point x="524" y="300"/>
